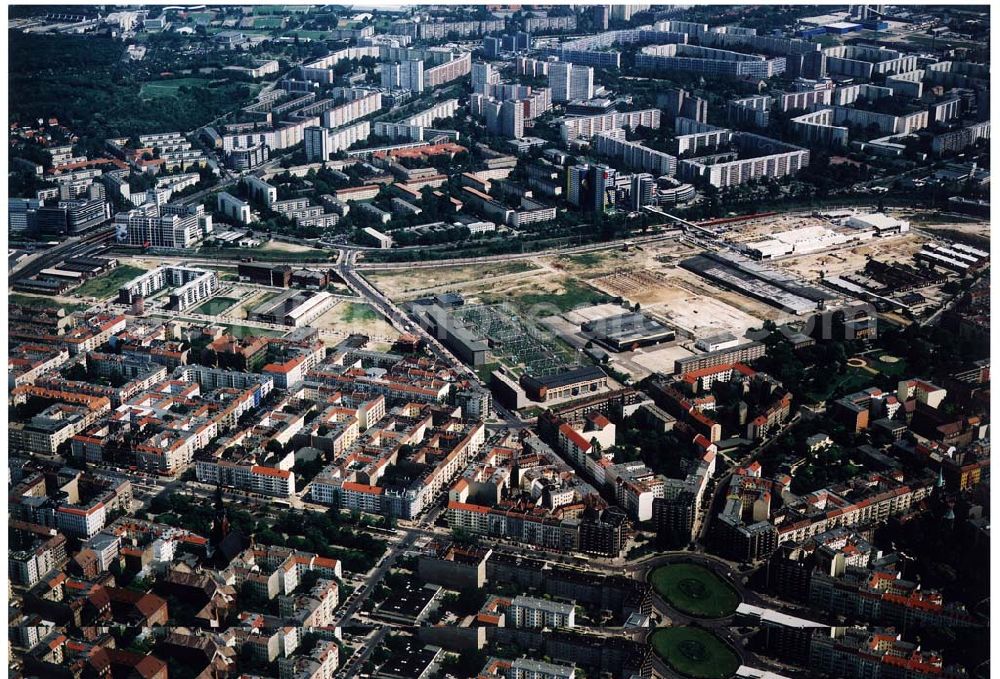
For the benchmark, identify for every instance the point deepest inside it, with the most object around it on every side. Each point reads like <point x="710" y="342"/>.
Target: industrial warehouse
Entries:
<point x="627" y="332"/>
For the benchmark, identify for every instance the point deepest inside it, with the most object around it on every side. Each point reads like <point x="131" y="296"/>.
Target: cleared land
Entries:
<point x="106" y="285"/>
<point x="409" y="283"/>
<point x="282" y="246"/>
<point x="850" y="260"/>
<point x="695" y="653"/>
<point x="555" y="295"/>
<point x="695" y="590"/>
<point x="354" y="317"/>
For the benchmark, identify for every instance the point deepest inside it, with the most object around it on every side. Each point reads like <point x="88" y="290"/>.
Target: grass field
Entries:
<point x="168" y="88"/>
<point x="107" y="285"/>
<point x="695" y="590"/>
<point x="44" y="303"/>
<point x="314" y="35"/>
<point x="266" y="254"/>
<point x="587" y="259"/>
<point x="215" y="306"/>
<point x="267" y="22"/>
<point x="695" y="653"/>
<point x="245" y="331"/>
<point x="896" y="368"/>
<point x="573" y="294"/>
<point x="359" y="312"/>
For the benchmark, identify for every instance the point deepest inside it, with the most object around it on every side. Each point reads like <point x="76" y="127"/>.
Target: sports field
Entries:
<point x="695" y="590"/>
<point x="695" y="653"/>
<point x="267" y="22"/>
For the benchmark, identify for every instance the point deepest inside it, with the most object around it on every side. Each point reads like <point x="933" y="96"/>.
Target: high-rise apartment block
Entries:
<point x="570" y="81"/>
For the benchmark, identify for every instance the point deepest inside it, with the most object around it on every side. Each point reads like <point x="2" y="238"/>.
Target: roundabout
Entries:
<point x="695" y="590"/>
<point x="694" y="652"/>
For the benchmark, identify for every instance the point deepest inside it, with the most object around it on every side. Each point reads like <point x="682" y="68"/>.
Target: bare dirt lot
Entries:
<point x="281" y="246"/>
<point x="411" y="283"/>
<point x="850" y="260"/>
<point x="354" y="317"/>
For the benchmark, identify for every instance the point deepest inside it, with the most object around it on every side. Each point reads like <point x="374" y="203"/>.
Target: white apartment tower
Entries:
<point x="512" y="119"/>
<point x="483" y="75"/>
<point x="570" y="81"/>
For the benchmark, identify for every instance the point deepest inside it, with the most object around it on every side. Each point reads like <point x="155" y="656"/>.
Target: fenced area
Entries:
<point x="516" y="342"/>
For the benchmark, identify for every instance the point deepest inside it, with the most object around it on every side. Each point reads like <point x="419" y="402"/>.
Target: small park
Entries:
<point x="694" y="590"/>
<point x="694" y="652"/>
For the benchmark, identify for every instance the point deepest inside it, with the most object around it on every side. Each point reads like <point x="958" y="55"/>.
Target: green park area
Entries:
<point x="695" y="653"/>
<point x="861" y="372"/>
<point x="106" y="285"/>
<point x="44" y="303"/>
<point x="169" y="88"/>
<point x="695" y="590"/>
<point x="567" y="294"/>
<point x="359" y="312"/>
<point x="247" y="331"/>
<point x="887" y="364"/>
<point x="216" y="306"/>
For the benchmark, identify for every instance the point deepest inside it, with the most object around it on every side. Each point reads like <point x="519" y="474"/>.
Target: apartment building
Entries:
<point x="189" y="286"/>
<point x="570" y="82"/>
<point x="634" y="155"/>
<point x="586" y="127"/>
<point x="708" y="61"/>
<point x="526" y="611"/>
<point x="136" y="228"/>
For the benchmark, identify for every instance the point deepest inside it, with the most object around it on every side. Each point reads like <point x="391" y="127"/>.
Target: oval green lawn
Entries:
<point x="695" y="590"/>
<point x="695" y="653"/>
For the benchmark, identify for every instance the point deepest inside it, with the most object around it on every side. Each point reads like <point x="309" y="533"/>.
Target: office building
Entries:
<point x="71" y="217"/>
<point x="136" y="228"/>
<point x="241" y="158"/>
<point x="21" y="213"/>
